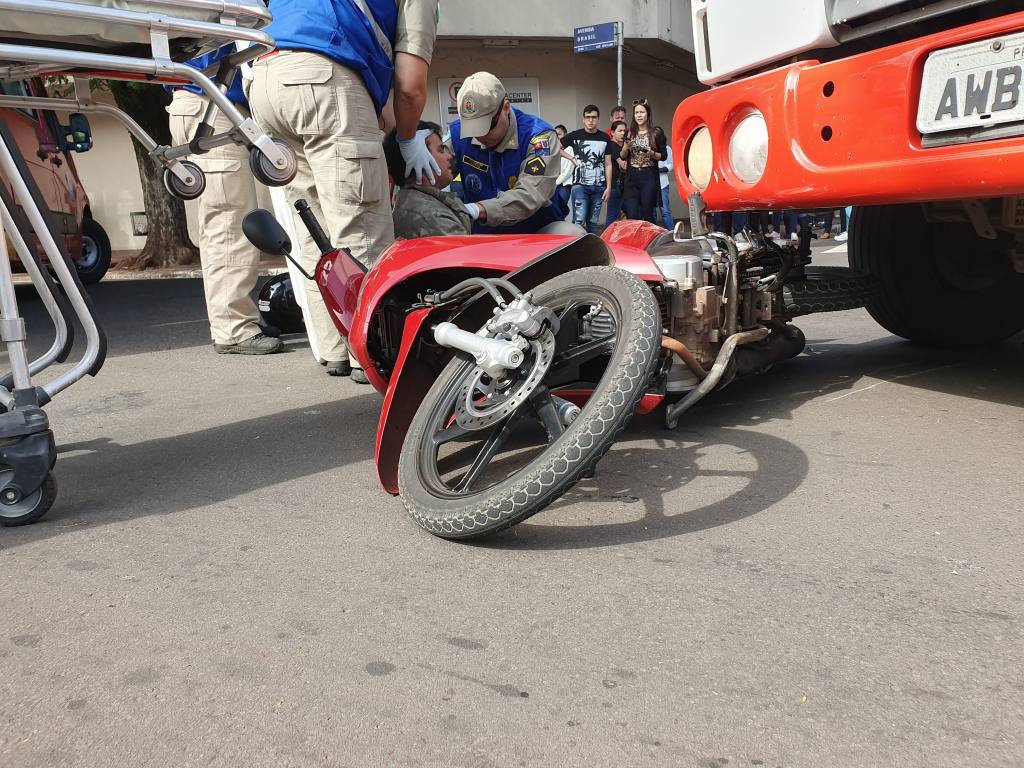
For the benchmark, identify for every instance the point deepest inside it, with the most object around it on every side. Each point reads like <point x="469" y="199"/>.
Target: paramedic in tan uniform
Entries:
<point x="230" y="262"/>
<point x="323" y="91"/>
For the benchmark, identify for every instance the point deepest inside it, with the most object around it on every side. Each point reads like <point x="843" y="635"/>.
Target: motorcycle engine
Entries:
<point x="695" y="308"/>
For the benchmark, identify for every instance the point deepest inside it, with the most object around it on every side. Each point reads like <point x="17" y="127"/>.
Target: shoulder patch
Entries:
<point x="535" y="167"/>
<point x="474" y="163"/>
<point x="542" y="143"/>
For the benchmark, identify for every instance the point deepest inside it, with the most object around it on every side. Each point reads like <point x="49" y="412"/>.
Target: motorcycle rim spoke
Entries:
<point x="547" y="414"/>
<point x="490" y="447"/>
<point x="583" y="353"/>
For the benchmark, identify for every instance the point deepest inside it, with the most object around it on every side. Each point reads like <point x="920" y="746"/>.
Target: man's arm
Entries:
<point x="535" y="186"/>
<point x="607" y="176"/>
<point x="414" y="48"/>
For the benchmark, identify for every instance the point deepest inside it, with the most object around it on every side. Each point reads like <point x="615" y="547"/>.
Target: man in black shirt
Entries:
<point x="593" y="176"/>
<point x="618" y="175"/>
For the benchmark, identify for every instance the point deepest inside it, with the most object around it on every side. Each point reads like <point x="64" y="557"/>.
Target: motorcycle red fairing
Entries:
<point x="390" y="336"/>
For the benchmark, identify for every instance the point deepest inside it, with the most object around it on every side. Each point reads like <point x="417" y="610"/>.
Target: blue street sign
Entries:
<point x="594" y="38"/>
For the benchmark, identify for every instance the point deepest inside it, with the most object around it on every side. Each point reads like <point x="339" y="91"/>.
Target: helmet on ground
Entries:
<point x="278" y="306"/>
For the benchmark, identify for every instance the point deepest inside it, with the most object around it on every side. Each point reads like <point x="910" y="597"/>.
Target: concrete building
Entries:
<point x="528" y="44"/>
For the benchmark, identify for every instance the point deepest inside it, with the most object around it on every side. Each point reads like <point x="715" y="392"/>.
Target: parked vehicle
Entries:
<point x="910" y="110"/>
<point x="47" y="147"/>
<point x="509" y="364"/>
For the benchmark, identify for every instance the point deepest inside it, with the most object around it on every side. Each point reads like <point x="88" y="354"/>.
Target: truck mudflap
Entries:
<point x="846" y="132"/>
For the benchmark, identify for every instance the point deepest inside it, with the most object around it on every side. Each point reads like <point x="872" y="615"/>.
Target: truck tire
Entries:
<point x="828" y="289"/>
<point x="940" y="284"/>
<point x="94" y="260"/>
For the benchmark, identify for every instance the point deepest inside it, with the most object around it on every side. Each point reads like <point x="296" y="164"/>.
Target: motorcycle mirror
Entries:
<point x="266" y="233"/>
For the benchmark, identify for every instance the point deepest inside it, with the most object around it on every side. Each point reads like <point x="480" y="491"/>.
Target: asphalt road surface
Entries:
<point x="819" y="567"/>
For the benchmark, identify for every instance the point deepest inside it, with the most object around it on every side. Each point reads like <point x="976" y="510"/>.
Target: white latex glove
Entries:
<point x="418" y="159"/>
<point x="473" y="210"/>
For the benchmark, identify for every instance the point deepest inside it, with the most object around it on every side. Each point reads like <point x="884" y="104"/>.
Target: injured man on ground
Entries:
<point x="424" y="210"/>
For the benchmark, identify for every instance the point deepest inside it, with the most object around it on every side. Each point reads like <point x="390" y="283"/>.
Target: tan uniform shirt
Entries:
<point x="417" y="27"/>
<point x="535" y="185"/>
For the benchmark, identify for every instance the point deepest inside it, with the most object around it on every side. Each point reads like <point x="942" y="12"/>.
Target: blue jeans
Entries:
<point x="586" y="206"/>
<point x="793" y="221"/>
<point x="614" y="208"/>
<point x="563" y="194"/>
<point x="666" y="209"/>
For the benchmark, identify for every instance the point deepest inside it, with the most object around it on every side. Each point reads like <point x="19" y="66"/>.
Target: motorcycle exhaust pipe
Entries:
<point x="493" y="355"/>
<point x="673" y="412"/>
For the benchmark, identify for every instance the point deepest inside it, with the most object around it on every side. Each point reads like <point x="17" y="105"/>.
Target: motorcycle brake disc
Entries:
<point x="481" y="404"/>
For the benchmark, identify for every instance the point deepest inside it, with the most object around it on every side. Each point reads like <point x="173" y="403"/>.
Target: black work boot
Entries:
<point x="338" y="368"/>
<point x="359" y="376"/>
<point x="260" y="344"/>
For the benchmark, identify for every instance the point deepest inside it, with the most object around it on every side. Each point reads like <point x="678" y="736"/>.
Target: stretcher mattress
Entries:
<point x="122" y="26"/>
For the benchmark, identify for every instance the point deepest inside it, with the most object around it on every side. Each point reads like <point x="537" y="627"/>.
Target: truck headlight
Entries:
<point x="748" y="148"/>
<point x="700" y="158"/>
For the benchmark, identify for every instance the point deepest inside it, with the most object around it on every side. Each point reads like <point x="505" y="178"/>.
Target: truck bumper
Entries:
<point x="844" y="133"/>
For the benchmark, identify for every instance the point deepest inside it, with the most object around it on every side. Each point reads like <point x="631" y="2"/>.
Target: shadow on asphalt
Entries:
<point x="640" y="475"/>
<point x="136" y="315"/>
<point x="110" y="482"/>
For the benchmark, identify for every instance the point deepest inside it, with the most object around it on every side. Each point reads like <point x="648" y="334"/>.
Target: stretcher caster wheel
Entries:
<point x="180" y="189"/>
<point x="268" y="173"/>
<point x="22" y="510"/>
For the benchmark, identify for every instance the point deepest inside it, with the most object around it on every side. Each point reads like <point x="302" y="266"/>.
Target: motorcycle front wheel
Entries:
<point x="473" y="464"/>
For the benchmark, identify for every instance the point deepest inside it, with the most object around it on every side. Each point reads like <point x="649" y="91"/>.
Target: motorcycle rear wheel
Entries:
<point x="459" y="484"/>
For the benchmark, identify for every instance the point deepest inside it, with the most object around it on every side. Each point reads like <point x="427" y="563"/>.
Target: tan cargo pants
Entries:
<point x="230" y="262"/>
<point x="324" y="111"/>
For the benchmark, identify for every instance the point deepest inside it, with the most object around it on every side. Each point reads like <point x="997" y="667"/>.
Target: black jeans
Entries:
<point x="645" y="201"/>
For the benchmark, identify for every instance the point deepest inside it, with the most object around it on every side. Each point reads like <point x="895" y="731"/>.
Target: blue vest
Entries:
<point x="485" y="173"/>
<point x="202" y="62"/>
<point x="339" y="30"/>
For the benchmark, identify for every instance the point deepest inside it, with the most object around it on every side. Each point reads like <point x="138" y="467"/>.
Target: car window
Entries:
<point x="17" y="88"/>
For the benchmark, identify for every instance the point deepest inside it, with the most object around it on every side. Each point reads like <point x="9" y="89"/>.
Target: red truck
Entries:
<point x="909" y="110"/>
<point x="47" y="147"/>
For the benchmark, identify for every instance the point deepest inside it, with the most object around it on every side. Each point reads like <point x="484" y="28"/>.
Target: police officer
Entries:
<point x="323" y="91"/>
<point x="230" y="262"/>
<point x="508" y="159"/>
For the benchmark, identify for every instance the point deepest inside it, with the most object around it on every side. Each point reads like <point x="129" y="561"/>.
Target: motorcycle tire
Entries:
<point x="631" y="349"/>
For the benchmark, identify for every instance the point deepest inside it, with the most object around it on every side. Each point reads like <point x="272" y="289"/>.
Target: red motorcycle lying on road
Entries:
<point x="510" y="363"/>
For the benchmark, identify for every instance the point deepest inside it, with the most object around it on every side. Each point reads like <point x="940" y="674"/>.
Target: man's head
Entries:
<point x="618" y="113"/>
<point x="591" y="114"/>
<point x="483" y="109"/>
<point x="619" y="131"/>
<point x="560" y="131"/>
<point x="440" y="151"/>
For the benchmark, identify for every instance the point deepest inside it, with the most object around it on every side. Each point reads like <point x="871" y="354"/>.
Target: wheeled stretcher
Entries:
<point x="142" y="40"/>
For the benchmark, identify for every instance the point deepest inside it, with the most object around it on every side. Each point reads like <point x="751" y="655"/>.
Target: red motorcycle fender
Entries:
<point x="410" y="381"/>
<point x="414" y="374"/>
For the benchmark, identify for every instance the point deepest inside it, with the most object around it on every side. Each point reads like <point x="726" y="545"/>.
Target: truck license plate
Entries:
<point x="972" y="86"/>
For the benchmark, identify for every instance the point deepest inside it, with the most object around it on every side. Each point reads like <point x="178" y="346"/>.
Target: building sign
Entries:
<point x="595" y="38"/>
<point x="522" y="92"/>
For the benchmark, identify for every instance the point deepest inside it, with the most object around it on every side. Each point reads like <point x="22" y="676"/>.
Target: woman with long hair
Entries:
<point x="644" y="149"/>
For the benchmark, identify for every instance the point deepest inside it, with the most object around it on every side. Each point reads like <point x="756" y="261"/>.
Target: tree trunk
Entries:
<point x="167" y="243"/>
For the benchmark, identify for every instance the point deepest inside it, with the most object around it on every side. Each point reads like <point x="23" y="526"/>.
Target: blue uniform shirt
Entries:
<point x="485" y="173"/>
<point x="202" y="62"/>
<point x="339" y="30"/>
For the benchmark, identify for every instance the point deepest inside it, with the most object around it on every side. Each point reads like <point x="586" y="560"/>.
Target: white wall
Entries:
<point x="667" y="20"/>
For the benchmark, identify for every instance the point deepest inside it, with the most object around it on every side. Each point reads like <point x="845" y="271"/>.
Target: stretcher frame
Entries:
<point x="26" y="53"/>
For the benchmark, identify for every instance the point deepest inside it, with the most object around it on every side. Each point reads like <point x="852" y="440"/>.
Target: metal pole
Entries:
<point x="618" y="89"/>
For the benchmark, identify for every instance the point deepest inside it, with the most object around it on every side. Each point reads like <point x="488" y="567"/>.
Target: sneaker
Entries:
<point x="359" y="376"/>
<point x="260" y="344"/>
<point x="338" y="368"/>
<point x="794" y="237"/>
<point x="842" y="237"/>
